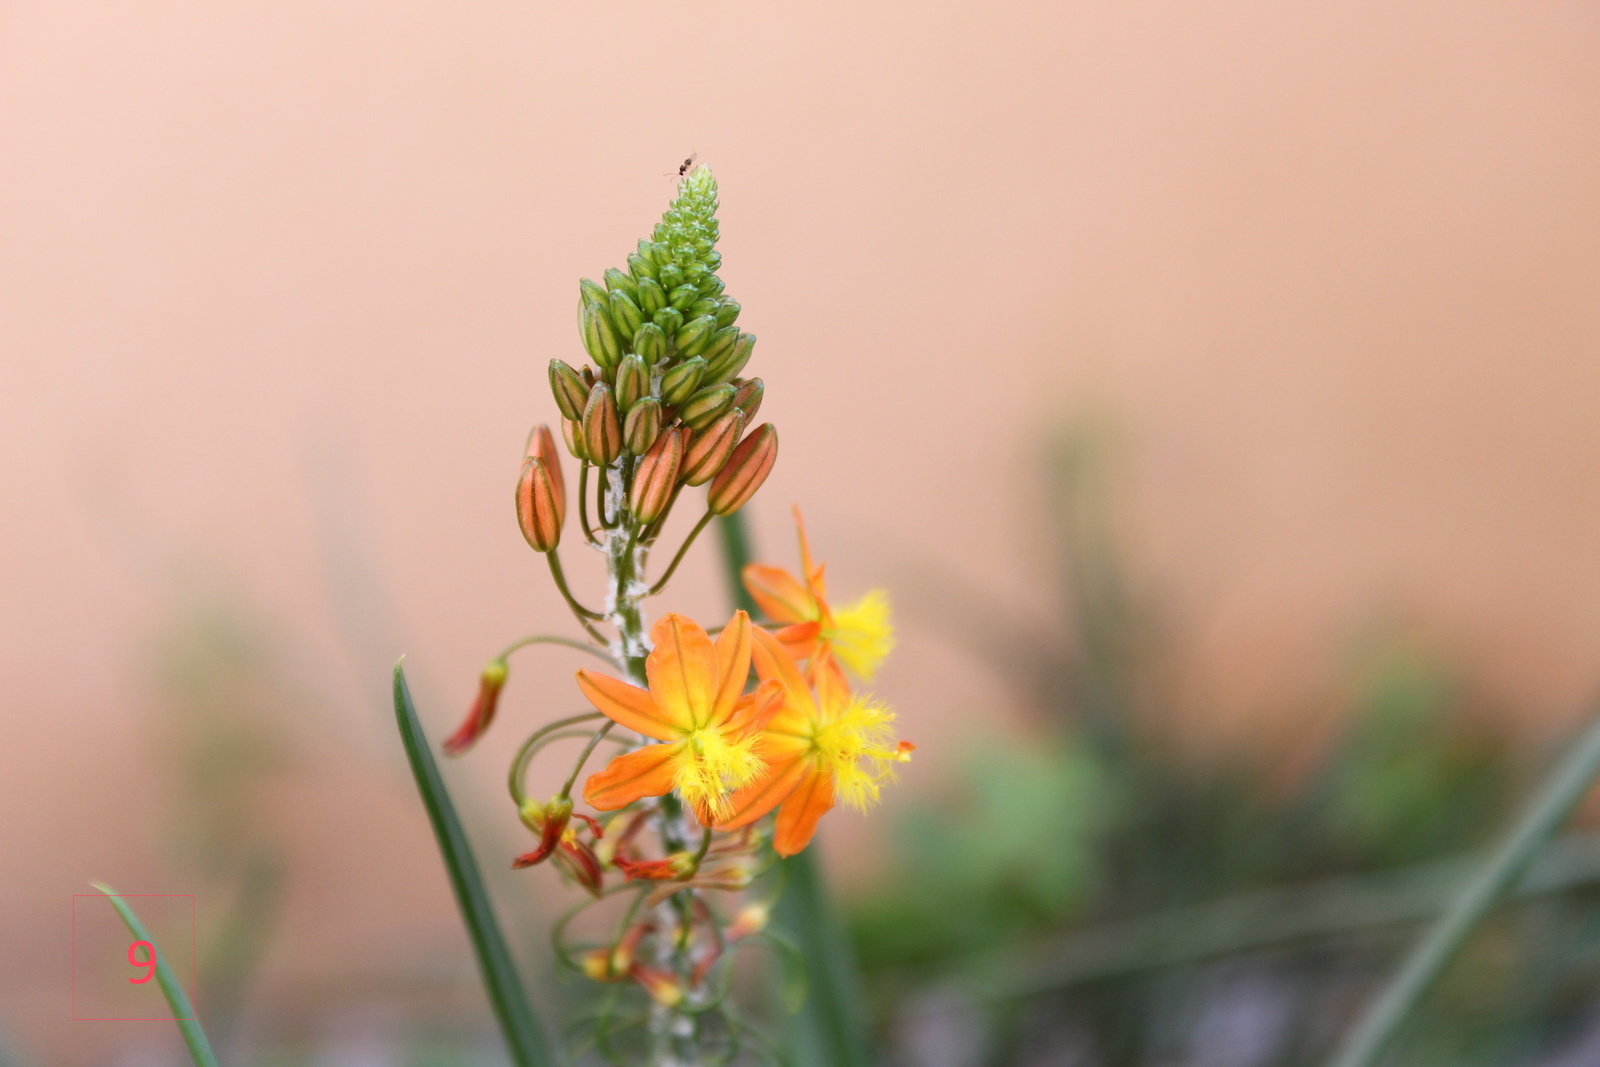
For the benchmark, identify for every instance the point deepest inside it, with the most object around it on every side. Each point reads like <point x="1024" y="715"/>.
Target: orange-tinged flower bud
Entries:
<point x="745" y="470"/>
<point x="662" y="987"/>
<point x="752" y="919"/>
<point x="539" y="510"/>
<point x="676" y="866"/>
<point x="711" y="448"/>
<point x="542" y="446"/>
<point x="549" y="821"/>
<point x="568" y="388"/>
<point x="748" y="398"/>
<point x="656" y="477"/>
<point x="596" y="965"/>
<point x="642" y="426"/>
<point x="572" y="431"/>
<point x="481" y="714"/>
<point x="602" y="433"/>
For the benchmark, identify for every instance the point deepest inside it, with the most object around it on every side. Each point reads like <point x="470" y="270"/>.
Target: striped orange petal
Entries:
<point x="797" y="817"/>
<point x="645" y="772"/>
<point x="682" y="669"/>
<point x="779" y="596"/>
<point x="628" y="705"/>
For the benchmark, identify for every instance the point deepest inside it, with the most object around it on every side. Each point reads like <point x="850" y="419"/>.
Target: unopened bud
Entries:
<point x="621" y="281"/>
<point x="752" y="919"/>
<point x="704" y="306"/>
<point x="711" y="448"/>
<point x="625" y="313"/>
<point x="640" y="267"/>
<point x="599" y="336"/>
<point x="572" y="432"/>
<point x="683" y="296"/>
<point x="728" y="312"/>
<point x="652" y="298"/>
<point x="481" y="714"/>
<point x="696" y="335"/>
<point x="656" y="477"/>
<point x="539" y="510"/>
<point x="706" y="406"/>
<point x="602" y="434"/>
<point x="681" y="381"/>
<point x="662" y="987"/>
<point x="642" y="426"/>
<point x="569" y="389"/>
<point x="650" y="343"/>
<point x="542" y="446"/>
<point x="721" y="343"/>
<point x="549" y="821"/>
<point x="745" y="470"/>
<point x="592" y="292"/>
<point x="633" y="382"/>
<point x="670" y="275"/>
<point x="730" y="363"/>
<point x="669" y="319"/>
<point x="748" y="398"/>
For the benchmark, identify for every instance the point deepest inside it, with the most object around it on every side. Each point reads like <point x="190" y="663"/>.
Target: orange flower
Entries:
<point x="694" y="704"/>
<point x="819" y="748"/>
<point x="859" y="635"/>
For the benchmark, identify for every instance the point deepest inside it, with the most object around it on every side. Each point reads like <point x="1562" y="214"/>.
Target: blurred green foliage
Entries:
<point x="1103" y="819"/>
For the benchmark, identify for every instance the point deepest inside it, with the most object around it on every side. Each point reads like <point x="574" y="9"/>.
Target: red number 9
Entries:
<point x="148" y="963"/>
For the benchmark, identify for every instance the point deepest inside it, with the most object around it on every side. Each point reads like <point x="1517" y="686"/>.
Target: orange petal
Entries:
<point x="733" y="666"/>
<point x="798" y="716"/>
<point x="753" y="712"/>
<point x="797" y="818"/>
<point x="646" y="772"/>
<point x="802" y="639"/>
<point x="753" y="801"/>
<point x="833" y="690"/>
<point x="682" y="670"/>
<point x="778" y="595"/>
<point x="628" y="705"/>
<point x="811" y="570"/>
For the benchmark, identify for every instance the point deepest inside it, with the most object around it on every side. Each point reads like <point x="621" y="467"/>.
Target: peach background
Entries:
<point x="278" y="282"/>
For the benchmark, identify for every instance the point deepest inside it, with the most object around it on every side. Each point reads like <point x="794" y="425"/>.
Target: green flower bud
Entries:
<point x="592" y="293"/>
<point x="683" y="296"/>
<point x="640" y="267"/>
<point x="711" y="285"/>
<point x="706" y="406"/>
<point x="704" y="306"/>
<point x="599" y="337"/>
<point x="570" y="391"/>
<point x="695" y="336"/>
<point x="670" y="320"/>
<point x="642" y="426"/>
<point x="681" y="381"/>
<point x="625" y="314"/>
<point x="650" y="343"/>
<point x="618" y="281"/>
<point x="572" y="432"/>
<point x="721" y="343"/>
<point x="728" y="313"/>
<point x="647" y="252"/>
<point x="652" y="298"/>
<point x="602" y="434"/>
<point x="633" y="382"/>
<point x="730" y="363"/>
<point x="670" y="276"/>
<point x="748" y="398"/>
<point x="713" y="260"/>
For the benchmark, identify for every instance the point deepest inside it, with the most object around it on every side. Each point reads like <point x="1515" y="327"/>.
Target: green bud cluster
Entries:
<point x="667" y="349"/>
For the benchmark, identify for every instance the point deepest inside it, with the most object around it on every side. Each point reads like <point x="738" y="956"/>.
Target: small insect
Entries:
<point x="683" y="168"/>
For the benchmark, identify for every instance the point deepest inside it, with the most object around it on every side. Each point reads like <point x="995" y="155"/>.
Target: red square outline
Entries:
<point x="193" y="959"/>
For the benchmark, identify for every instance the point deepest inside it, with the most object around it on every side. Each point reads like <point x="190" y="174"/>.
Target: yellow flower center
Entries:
<point x="861" y="635"/>
<point x="711" y="764"/>
<point x="857" y="745"/>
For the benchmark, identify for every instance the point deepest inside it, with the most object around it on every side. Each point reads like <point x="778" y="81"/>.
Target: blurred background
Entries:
<point x="1212" y="386"/>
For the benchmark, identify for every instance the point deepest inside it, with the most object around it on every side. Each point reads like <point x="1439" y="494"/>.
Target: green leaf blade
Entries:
<point x="524" y="1038"/>
<point x="194" y="1035"/>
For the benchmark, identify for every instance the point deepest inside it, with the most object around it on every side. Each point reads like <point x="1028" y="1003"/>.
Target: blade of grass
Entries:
<point x="194" y="1035"/>
<point x="524" y="1039"/>
<point x="1563" y="788"/>
<point x="831" y="1028"/>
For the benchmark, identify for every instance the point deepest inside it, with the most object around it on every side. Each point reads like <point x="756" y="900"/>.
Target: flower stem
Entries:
<point x="525" y="754"/>
<point x="561" y="584"/>
<point x="545" y="639"/>
<point x="661" y="583"/>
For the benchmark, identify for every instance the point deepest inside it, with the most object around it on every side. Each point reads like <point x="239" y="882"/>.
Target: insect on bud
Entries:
<point x="642" y="426"/>
<point x="711" y="448"/>
<point x="656" y="477"/>
<point x="633" y="382"/>
<point x="539" y="510"/>
<point x="602" y="435"/>
<point x="681" y="381"/>
<point x="481" y="714"/>
<point x="569" y="389"/>
<point x="748" y="398"/>
<point x="572" y="432"/>
<point x="745" y="470"/>
<point x="706" y="406"/>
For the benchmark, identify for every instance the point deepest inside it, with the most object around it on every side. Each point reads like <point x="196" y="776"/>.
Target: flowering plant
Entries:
<point x="705" y="754"/>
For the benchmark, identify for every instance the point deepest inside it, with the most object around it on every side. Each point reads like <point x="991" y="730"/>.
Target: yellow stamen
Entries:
<point x="861" y="635"/>
<point x="858" y="747"/>
<point x="710" y="765"/>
